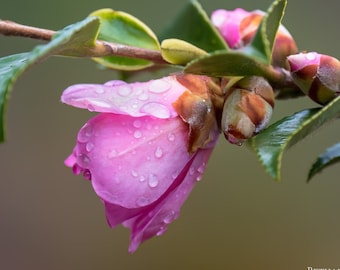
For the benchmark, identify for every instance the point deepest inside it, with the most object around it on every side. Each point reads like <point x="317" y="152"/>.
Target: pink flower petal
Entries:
<point x="301" y="60"/>
<point x="154" y="222"/>
<point x="131" y="160"/>
<point x="153" y="98"/>
<point x="228" y="23"/>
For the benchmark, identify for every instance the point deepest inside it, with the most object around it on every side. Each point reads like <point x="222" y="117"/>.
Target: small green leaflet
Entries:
<point x="75" y="40"/>
<point x="270" y="144"/>
<point x="327" y="158"/>
<point x="123" y="28"/>
<point x="264" y="39"/>
<point x="193" y="25"/>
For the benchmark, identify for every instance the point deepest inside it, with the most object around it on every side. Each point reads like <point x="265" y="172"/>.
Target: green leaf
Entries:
<point x="193" y="25"/>
<point x="228" y="63"/>
<point x="264" y="39"/>
<point x="329" y="157"/>
<point x="179" y="52"/>
<point x="270" y="144"/>
<point x="123" y="28"/>
<point x="75" y="40"/>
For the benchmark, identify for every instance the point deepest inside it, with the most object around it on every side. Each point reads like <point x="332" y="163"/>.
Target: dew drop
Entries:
<point x="89" y="146"/>
<point x="201" y="168"/>
<point x="134" y="173"/>
<point x="124" y="90"/>
<point x="170" y="217"/>
<point x="142" y="201"/>
<point x="199" y="177"/>
<point x="171" y="137"/>
<point x="83" y="161"/>
<point x="159" y="86"/>
<point x="85" y="133"/>
<point x="137" y="123"/>
<point x="161" y="231"/>
<point x="143" y="96"/>
<point x="142" y="178"/>
<point x="158" y="152"/>
<point x="99" y="90"/>
<point x="152" y="181"/>
<point x="191" y="171"/>
<point x="87" y="174"/>
<point x="113" y="153"/>
<point x="137" y="134"/>
<point x="156" y="109"/>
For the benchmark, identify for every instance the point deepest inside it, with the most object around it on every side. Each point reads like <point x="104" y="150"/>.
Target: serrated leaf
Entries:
<point x="270" y="144"/>
<point x="329" y="157"/>
<point x="264" y="39"/>
<point x="123" y="28"/>
<point x="75" y="40"/>
<point x="193" y="25"/>
<point x="227" y="63"/>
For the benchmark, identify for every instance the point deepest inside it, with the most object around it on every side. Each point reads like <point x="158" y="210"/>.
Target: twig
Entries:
<point x="101" y="48"/>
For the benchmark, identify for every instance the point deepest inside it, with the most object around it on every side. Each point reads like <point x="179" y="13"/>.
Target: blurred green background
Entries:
<point x="236" y="218"/>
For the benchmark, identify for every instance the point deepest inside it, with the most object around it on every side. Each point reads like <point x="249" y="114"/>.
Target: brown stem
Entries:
<point x="101" y="48"/>
<point x="9" y="28"/>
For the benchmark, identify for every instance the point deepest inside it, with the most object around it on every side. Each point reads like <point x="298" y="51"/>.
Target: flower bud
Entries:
<point x="239" y="26"/>
<point x="317" y="75"/>
<point x="247" y="109"/>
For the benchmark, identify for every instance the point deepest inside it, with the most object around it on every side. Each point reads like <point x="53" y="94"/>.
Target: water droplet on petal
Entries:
<point x="83" y="161"/>
<point x="152" y="181"/>
<point x="170" y="217"/>
<point x="141" y="178"/>
<point x="124" y="90"/>
<point x="156" y="109"/>
<point x="143" y="96"/>
<point x="85" y="133"/>
<point x="161" y="231"/>
<point x="95" y="103"/>
<point x="158" y="152"/>
<point x="142" y="201"/>
<point x="191" y="171"/>
<point x="171" y="137"/>
<point x="89" y="146"/>
<point x="159" y="86"/>
<point x="113" y="153"/>
<point x="99" y="90"/>
<point x="134" y="173"/>
<point x="137" y="123"/>
<point x="87" y="174"/>
<point x="201" y="168"/>
<point x="137" y="134"/>
<point x="199" y="177"/>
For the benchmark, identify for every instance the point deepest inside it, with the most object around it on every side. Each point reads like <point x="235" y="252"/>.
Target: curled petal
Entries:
<point x="154" y="221"/>
<point x="153" y="98"/>
<point x="140" y="168"/>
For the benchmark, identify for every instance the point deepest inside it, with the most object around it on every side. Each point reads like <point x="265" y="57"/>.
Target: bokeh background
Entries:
<point x="237" y="217"/>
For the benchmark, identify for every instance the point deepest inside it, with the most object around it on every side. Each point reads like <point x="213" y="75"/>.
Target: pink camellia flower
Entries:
<point x="317" y="75"/>
<point x="239" y="26"/>
<point x="136" y="152"/>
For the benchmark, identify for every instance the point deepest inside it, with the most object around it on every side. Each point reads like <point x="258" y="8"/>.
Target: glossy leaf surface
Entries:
<point x="264" y="39"/>
<point x="271" y="143"/>
<point x="193" y="25"/>
<point x="327" y="158"/>
<point x="75" y="40"/>
<point x="228" y="63"/>
<point x="123" y="28"/>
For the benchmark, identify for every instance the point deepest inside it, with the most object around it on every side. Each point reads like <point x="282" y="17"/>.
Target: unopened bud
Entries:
<point x="247" y="109"/>
<point x="238" y="27"/>
<point x="317" y="75"/>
